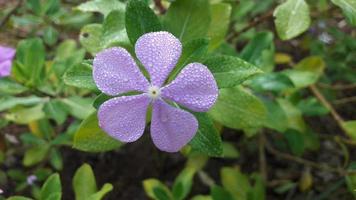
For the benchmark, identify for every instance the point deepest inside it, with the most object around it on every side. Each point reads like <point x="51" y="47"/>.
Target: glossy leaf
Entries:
<point x="235" y="182"/>
<point x="236" y="108"/>
<point x="90" y="137"/>
<point x="157" y="190"/>
<point x="102" y="6"/>
<point x="188" y="19"/>
<point x="79" y="107"/>
<point x="140" y="19"/>
<point x="90" y="37"/>
<point x="51" y="189"/>
<point x="230" y="71"/>
<point x="8" y="86"/>
<point x="349" y="9"/>
<point x="114" y="30"/>
<point x="80" y="75"/>
<point x="292" y="18"/>
<point x="220" y="20"/>
<point x="84" y="182"/>
<point x="207" y="140"/>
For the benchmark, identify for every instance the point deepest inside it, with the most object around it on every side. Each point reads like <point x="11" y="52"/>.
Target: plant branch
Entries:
<point x="306" y="162"/>
<point x="328" y="105"/>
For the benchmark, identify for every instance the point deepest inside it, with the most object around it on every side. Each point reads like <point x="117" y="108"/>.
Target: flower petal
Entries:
<point x="171" y="128"/>
<point x="5" y="68"/>
<point x="6" y="53"/>
<point x="194" y="88"/>
<point x="159" y="53"/>
<point x="115" y="72"/>
<point x="124" y="117"/>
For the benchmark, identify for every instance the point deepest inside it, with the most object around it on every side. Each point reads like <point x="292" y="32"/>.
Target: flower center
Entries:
<point x="154" y="92"/>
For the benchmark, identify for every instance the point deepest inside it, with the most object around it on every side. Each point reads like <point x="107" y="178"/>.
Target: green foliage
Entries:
<point x="90" y="137"/>
<point x="51" y="189"/>
<point x="349" y="9"/>
<point x="292" y="18"/>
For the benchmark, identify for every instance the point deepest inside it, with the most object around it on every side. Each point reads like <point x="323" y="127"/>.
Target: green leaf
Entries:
<point x="312" y="107"/>
<point x="207" y="140"/>
<point x="55" y="109"/>
<point x="230" y="71"/>
<point x="258" y="191"/>
<point x="183" y="183"/>
<point x="291" y="18"/>
<point x="306" y="72"/>
<point x="79" y="107"/>
<point x="293" y="114"/>
<point x="30" y="59"/>
<point x="236" y="108"/>
<point x="90" y="137"/>
<point x="80" y="75"/>
<point x="350" y="128"/>
<point x="56" y="159"/>
<point x="295" y="141"/>
<point x="260" y="51"/>
<point x="349" y="9"/>
<point x="114" y="31"/>
<point x="102" y="6"/>
<point x="188" y="19"/>
<point x="8" y="102"/>
<point x="84" y="183"/>
<point x="51" y="189"/>
<point x="157" y="190"/>
<point x="8" y="86"/>
<point x="219" y="193"/>
<point x="23" y="115"/>
<point x="91" y="37"/>
<point x="351" y="180"/>
<point x="107" y="187"/>
<point x="235" y="182"/>
<point x="276" y="82"/>
<point x="229" y="151"/>
<point x="50" y="35"/>
<point x="276" y="117"/>
<point x="220" y="20"/>
<point x="193" y="51"/>
<point x="140" y="19"/>
<point x="35" y="154"/>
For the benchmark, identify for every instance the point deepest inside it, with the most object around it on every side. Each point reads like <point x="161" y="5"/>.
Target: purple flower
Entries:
<point x="6" y="56"/>
<point x="115" y="72"/>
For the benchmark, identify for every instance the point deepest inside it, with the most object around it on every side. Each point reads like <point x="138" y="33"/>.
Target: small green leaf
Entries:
<point x="50" y="35"/>
<point x="294" y="115"/>
<point x="102" y="6"/>
<point x="8" y="86"/>
<point x="349" y="9"/>
<point x="183" y="183"/>
<point x="219" y="193"/>
<point x="30" y="59"/>
<point x="114" y="31"/>
<point x="90" y="137"/>
<point x="188" y="19"/>
<point x="306" y="72"/>
<point x="229" y="151"/>
<point x="291" y="18"/>
<point x="55" y="109"/>
<point x="260" y="51"/>
<point x="276" y="117"/>
<point x="207" y="140"/>
<point x="220" y="20"/>
<point x="230" y="71"/>
<point x="84" y="182"/>
<point x="235" y="182"/>
<point x="157" y="190"/>
<point x="91" y="37"/>
<point x="140" y="19"/>
<point x="236" y="108"/>
<point x="51" y="189"/>
<point x="350" y="128"/>
<point x="295" y="141"/>
<point x="80" y="75"/>
<point x="107" y="187"/>
<point x="79" y="107"/>
<point x="351" y="180"/>
<point x="35" y="154"/>
<point x="56" y="159"/>
<point x="18" y="198"/>
<point x="24" y="115"/>
<point x="8" y="102"/>
<point x="276" y="82"/>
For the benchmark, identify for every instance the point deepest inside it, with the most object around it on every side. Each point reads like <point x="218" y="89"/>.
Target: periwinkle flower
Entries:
<point x="115" y="72"/>
<point x="6" y="56"/>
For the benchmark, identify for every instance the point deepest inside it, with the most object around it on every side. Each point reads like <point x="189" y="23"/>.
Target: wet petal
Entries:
<point x="171" y="128"/>
<point x="115" y="72"/>
<point x="124" y="117"/>
<point x="5" y="68"/>
<point x="194" y="88"/>
<point x="159" y="53"/>
<point x="6" y="53"/>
